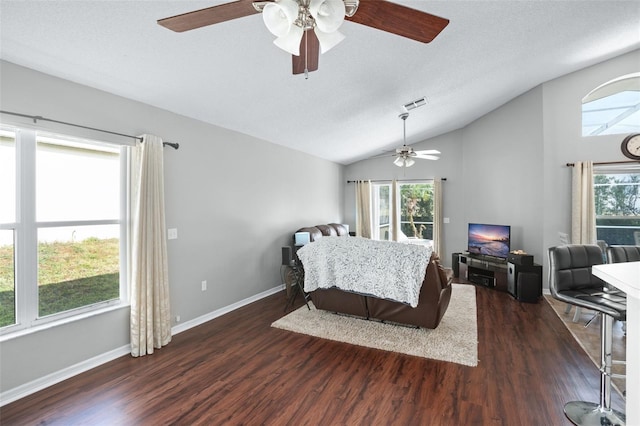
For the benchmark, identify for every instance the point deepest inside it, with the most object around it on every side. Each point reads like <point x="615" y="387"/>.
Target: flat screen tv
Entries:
<point x="490" y="240"/>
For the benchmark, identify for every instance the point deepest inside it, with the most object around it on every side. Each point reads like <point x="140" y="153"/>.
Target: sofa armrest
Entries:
<point x="445" y="275"/>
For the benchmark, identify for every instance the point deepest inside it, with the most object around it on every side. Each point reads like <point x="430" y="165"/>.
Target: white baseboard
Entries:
<point x="219" y="312"/>
<point x="51" y="379"/>
<point x="34" y="386"/>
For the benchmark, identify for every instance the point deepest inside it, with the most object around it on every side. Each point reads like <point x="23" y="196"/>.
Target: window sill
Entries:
<point x="9" y="335"/>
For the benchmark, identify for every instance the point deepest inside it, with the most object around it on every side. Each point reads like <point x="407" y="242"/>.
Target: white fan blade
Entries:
<point x="427" y="157"/>
<point x="385" y="154"/>
<point x="428" y="152"/>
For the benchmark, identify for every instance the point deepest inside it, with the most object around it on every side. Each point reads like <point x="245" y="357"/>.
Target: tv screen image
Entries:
<point x="490" y="240"/>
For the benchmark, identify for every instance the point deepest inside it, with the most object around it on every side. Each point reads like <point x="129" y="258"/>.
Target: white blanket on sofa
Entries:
<point x="384" y="269"/>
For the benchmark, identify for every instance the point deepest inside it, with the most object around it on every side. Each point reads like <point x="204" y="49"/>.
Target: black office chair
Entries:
<point x="571" y="281"/>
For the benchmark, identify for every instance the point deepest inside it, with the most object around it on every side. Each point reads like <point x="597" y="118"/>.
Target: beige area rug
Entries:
<point x="454" y="340"/>
<point x="589" y="337"/>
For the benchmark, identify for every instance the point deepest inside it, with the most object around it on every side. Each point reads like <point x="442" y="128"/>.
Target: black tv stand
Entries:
<point x="523" y="281"/>
<point x="480" y="269"/>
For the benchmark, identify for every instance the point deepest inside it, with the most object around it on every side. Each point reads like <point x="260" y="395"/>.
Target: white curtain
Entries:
<point x="583" y="216"/>
<point x="437" y="216"/>
<point x="150" y="309"/>
<point x="363" y="209"/>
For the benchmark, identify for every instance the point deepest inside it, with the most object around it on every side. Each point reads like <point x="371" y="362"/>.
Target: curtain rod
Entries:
<point x="400" y="180"/>
<point x="35" y="119"/>
<point x="607" y="163"/>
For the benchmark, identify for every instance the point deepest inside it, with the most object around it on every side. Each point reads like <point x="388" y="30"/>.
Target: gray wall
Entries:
<point x="508" y="167"/>
<point x="502" y="169"/>
<point x="234" y="199"/>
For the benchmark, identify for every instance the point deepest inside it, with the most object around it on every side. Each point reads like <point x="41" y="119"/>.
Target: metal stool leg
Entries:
<point x="589" y="413"/>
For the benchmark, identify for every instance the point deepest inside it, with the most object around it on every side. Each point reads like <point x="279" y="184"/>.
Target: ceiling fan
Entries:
<point x="291" y="21"/>
<point x="405" y="156"/>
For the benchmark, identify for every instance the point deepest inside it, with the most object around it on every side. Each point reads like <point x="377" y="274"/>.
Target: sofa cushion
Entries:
<point x="327" y="231"/>
<point x="340" y="229"/>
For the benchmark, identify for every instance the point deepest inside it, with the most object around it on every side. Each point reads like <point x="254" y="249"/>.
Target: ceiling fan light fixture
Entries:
<point x="328" y="14"/>
<point x="324" y="15"/>
<point x="279" y="16"/>
<point x="291" y="41"/>
<point x="399" y="161"/>
<point x="328" y="40"/>
<point x="408" y="162"/>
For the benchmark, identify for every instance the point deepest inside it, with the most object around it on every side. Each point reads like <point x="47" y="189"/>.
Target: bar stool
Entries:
<point x="571" y="281"/>
<point x="618" y="254"/>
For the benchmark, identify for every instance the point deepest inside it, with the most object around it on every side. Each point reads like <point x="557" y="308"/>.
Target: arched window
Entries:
<point x="613" y="107"/>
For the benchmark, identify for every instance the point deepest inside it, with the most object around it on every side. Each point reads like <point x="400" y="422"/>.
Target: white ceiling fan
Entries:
<point x="405" y="156"/>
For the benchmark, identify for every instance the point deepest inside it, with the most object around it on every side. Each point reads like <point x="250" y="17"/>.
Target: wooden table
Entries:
<point x="626" y="277"/>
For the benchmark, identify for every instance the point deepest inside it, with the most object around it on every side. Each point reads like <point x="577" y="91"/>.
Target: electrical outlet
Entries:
<point x="177" y="318"/>
<point x="204" y="285"/>
<point x="172" y="233"/>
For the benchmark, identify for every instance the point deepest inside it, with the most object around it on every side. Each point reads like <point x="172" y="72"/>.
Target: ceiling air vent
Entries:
<point x="415" y="104"/>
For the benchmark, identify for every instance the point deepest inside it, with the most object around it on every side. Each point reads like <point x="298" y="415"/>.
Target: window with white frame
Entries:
<point x="63" y="233"/>
<point x="617" y="204"/>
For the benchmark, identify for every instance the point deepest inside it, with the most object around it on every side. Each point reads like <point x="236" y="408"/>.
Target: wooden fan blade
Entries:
<point x="428" y="152"/>
<point x="398" y="19"/>
<point x="209" y="16"/>
<point x="309" y="53"/>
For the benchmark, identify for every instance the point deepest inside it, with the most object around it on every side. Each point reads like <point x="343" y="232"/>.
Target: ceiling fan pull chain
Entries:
<point x="306" y="52"/>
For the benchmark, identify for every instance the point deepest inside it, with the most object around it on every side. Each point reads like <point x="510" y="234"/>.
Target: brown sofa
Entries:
<point x="435" y="293"/>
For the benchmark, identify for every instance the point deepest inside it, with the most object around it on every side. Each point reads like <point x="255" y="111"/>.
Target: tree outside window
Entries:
<point x="617" y="205"/>
<point x="416" y="210"/>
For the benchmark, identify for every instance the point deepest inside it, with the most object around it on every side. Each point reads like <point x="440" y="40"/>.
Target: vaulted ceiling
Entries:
<point x="232" y="75"/>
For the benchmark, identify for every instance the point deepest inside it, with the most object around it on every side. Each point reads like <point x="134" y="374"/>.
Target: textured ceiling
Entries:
<point x="231" y="74"/>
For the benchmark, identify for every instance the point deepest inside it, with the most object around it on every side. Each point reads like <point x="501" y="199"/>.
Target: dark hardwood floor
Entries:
<point x="236" y="369"/>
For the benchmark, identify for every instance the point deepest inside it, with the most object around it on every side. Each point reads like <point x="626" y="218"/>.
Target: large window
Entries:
<point x="617" y="205"/>
<point x="415" y="207"/>
<point x="63" y="237"/>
